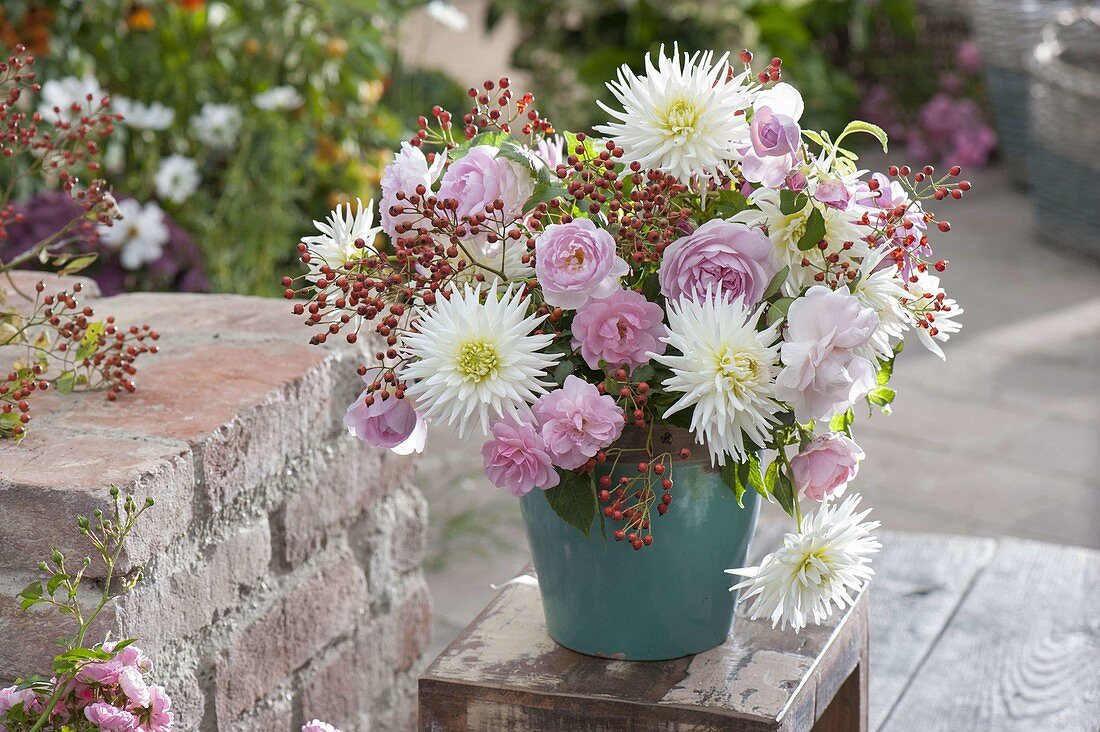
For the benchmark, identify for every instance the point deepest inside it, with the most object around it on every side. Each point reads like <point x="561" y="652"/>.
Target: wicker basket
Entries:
<point x="1064" y="159"/>
<point x="1006" y="31"/>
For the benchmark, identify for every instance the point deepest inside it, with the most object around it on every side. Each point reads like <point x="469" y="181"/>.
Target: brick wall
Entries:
<point x="282" y="558"/>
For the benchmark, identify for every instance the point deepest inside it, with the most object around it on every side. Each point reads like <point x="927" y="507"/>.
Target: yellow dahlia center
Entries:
<point x="682" y="119"/>
<point x="737" y="368"/>
<point x="477" y="360"/>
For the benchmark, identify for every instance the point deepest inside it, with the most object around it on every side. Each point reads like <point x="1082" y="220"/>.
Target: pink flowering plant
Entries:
<point x="705" y="263"/>
<point x="91" y="686"/>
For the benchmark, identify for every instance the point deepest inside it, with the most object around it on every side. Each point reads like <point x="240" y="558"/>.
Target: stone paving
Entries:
<point x="1002" y="439"/>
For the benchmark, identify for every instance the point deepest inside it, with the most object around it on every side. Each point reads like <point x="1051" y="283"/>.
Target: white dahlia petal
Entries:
<point x="827" y="563"/>
<point x="335" y="245"/>
<point x="471" y="360"/>
<point x="725" y="370"/>
<point x="680" y="117"/>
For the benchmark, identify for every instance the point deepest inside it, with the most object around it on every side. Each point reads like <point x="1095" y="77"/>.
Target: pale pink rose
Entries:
<point x="822" y="376"/>
<point x="620" y="330"/>
<point x="390" y="423"/>
<point x="408" y="170"/>
<point x="317" y="725"/>
<point x="110" y="718"/>
<point x="160" y="714"/>
<point x="774" y="134"/>
<point x="479" y="177"/>
<point x="576" y="422"/>
<point x="769" y="171"/>
<point x="134" y="686"/>
<point x="12" y="695"/>
<point x="131" y="655"/>
<point x="834" y="193"/>
<point x="722" y="255"/>
<point x="825" y="466"/>
<point x="551" y="150"/>
<point x="105" y="673"/>
<point x="575" y="262"/>
<point x="516" y="459"/>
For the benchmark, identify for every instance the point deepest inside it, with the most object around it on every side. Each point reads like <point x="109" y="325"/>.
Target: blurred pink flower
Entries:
<point x="825" y="466"/>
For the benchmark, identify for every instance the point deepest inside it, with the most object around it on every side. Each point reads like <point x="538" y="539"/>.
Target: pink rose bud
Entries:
<point x="772" y="134"/>
<point x="734" y="258"/>
<point x="516" y="459"/>
<point x="834" y="193"/>
<point x="391" y="423"/>
<point x="825" y="466"/>
<point x="620" y="330"/>
<point x="796" y="181"/>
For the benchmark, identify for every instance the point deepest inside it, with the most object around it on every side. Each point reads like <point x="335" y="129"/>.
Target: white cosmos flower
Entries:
<point x="138" y="116"/>
<point x="681" y="117"/>
<point x="470" y="360"/>
<point x="881" y="289"/>
<point x="278" y="98"/>
<point x="939" y="314"/>
<point x="177" y="178"/>
<point x="786" y="229"/>
<point x="63" y="93"/>
<point x="335" y="245"/>
<point x="217" y="125"/>
<point x="823" y="565"/>
<point x="725" y="371"/>
<point x="140" y="234"/>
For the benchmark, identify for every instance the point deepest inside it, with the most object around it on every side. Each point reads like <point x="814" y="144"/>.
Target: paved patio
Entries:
<point x="1002" y="439"/>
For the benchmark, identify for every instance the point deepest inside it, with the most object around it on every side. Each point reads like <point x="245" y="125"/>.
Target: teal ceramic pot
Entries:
<point x="671" y="599"/>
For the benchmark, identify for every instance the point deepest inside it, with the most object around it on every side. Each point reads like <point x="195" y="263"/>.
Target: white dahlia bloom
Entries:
<point x="139" y="235"/>
<point x="139" y="116"/>
<point x="681" y="117"/>
<point x="177" y="178"/>
<point x="786" y="229"/>
<point x="725" y="371"/>
<point x="335" y="245"/>
<point x="824" y="564"/>
<point x="940" y="314"/>
<point x="470" y="360"/>
<point x="882" y="290"/>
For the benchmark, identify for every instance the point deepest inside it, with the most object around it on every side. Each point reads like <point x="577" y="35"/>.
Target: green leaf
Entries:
<point x="791" y="202"/>
<point x="776" y="282"/>
<point x="815" y="231"/>
<point x="784" y="493"/>
<point x="55" y="582"/>
<point x="574" y="499"/>
<point x="771" y="475"/>
<point x="544" y="193"/>
<point x="815" y="138"/>
<point x="563" y="370"/>
<point x="843" y="422"/>
<point x="778" y="309"/>
<point x="90" y="342"/>
<point x="881" y="396"/>
<point x="66" y="382"/>
<point x="76" y="263"/>
<point x="733" y="478"/>
<point x="756" y="480"/>
<point x="571" y="143"/>
<point x="873" y="130"/>
<point x="493" y="137"/>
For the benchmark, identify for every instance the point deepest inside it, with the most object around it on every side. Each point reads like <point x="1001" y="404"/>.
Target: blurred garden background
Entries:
<point x="245" y="121"/>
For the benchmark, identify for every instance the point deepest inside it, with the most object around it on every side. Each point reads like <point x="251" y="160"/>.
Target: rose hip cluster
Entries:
<point x="67" y="350"/>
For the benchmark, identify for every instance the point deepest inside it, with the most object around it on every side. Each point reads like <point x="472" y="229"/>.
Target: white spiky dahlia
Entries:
<point x="681" y="116"/>
<point x="880" y="288"/>
<point x="335" y="245"/>
<point x="725" y="370"/>
<point x="469" y="359"/>
<point x="821" y="566"/>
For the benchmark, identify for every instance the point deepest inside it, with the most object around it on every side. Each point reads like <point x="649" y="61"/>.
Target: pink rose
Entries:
<point x="12" y="695"/>
<point x="134" y="686"/>
<point x="516" y="459"/>
<point x="105" y="673"/>
<point x="821" y="375"/>
<point x="825" y="466"/>
<point x="160" y="715"/>
<point x="620" y="330"/>
<point x="131" y="655"/>
<point x="408" y="170"/>
<point x="733" y="257"/>
<point x="479" y="178"/>
<point x="834" y="193"/>
<point x="773" y="134"/>
<point x="575" y="262"/>
<point x="576" y="422"/>
<point x="391" y="423"/>
<point x="110" y="718"/>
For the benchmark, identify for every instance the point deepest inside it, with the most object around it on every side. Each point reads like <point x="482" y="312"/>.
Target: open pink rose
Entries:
<point x="110" y="718"/>
<point x="160" y="706"/>
<point x="576" y="422"/>
<point x="825" y="466"/>
<point x="773" y="134"/>
<point x="620" y="330"/>
<point x="722" y="255"/>
<point x="479" y="178"/>
<point x="822" y="376"/>
<point x="391" y="423"/>
<point x="575" y="262"/>
<point x="516" y="459"/>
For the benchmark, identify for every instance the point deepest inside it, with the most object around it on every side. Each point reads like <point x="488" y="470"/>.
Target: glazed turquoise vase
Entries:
<point x="671" y="599"/>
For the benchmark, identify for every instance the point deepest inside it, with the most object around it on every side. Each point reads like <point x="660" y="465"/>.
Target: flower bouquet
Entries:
<point x="651" y="331"/>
